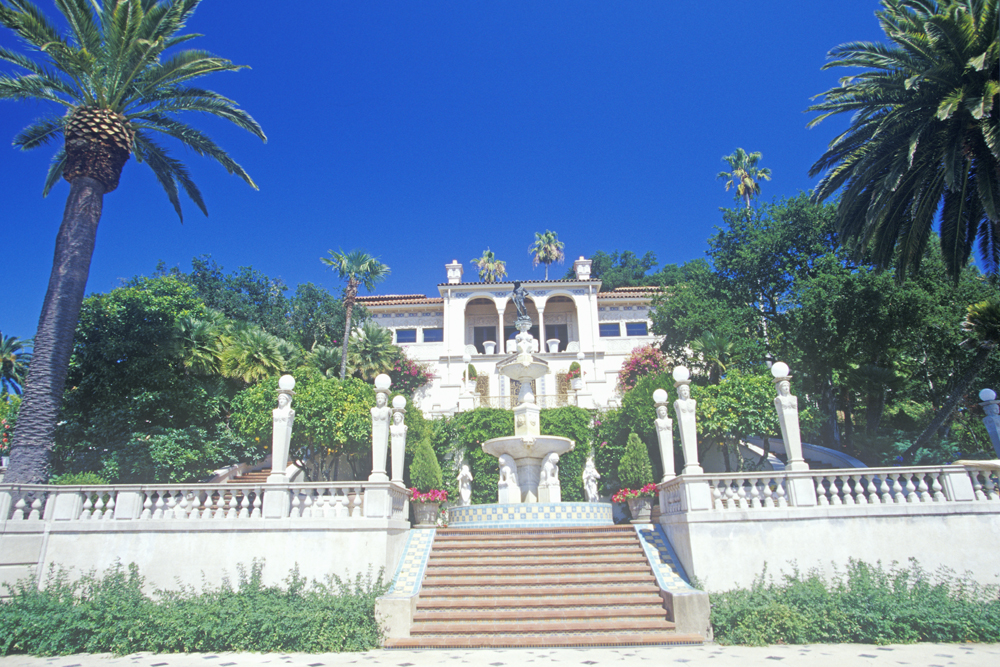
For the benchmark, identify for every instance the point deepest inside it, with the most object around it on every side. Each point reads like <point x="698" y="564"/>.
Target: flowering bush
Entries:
<point x="432" y="496"/>
<point x="408" y="375"/>
<point x="642" y="361"/>
<point x="574" y="371"/>
<point x="626" y="494"/>
<point x="5" y="436"/>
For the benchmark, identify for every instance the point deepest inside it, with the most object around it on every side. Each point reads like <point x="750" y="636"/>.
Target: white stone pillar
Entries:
<point x="991" y="421"/>
<point x="283" y="417"/>
<point x="788" y="414"/>
<point x="380" y="429"/>
<point x="684" y="408"/>
<point x="541" y="327"/>
<point x="664" y="434"/>
<point x="398" y="434"/>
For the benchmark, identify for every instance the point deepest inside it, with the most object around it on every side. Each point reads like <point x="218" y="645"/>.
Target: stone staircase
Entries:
<point x="539" y="587"/>
<point x="258" y="477"/>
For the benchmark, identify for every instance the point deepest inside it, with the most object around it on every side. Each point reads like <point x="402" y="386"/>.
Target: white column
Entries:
<point x="684" y="408"/>
<point x="788" y="414"/>
<point x="380" y="429"/>
<point x="397" y="433"/>
<point x="282" y="417"/>
<point x="664" y="434"/>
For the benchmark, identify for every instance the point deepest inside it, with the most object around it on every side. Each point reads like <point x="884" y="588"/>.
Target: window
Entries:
<point x="406" y="335"/>
<point x="560" y="331"/>
<point x="636" y="329"/>
<point x="433" y="335"/>
<point x="610" y="329"/>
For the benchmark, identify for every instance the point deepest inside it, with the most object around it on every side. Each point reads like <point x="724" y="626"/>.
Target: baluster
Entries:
<point x="296" y="505"/>
<point x="98" y="507"/>
<point x="716" y="494"/>
<point x="911" y="490"/>
<point x="875" y="490"/>
<point x="195" y="505"/>
<point x="821" y="498"/>
<point x="109" y="506"/>
<point x="233" y="506"/>
<point x="88" y="507"/>
<point x="36" y="510"/>
<point x="220" y="505"/>
<point x="307" y="504"/>
<point x="258" y="503"/>
<point x="183" y="509"/>
<point x="755" y="494"/>
<point x="741" y="494"/>
<point x="159" y="505"/>
<point x="339" y="509"/>
<point x="729" y="496"/>
<point x="768" y="492"/>
<point x="170" y="502"/>
<point x="977" y="487"/>
<point x="897" y="488"/>
<point x="245" y="505"/>
<point x="835" y="490"/>
<point x="992" y="485"/>
<point x="356" y="501"/>
<point x="923" y="490"/>
<point x="846" y="490"/>
<point x="936" y="489"/>
<point x="861" y="489"/>
<point x="19" y="508"/>
<point x="147" y="506"/>
<point x="779" y="493"/>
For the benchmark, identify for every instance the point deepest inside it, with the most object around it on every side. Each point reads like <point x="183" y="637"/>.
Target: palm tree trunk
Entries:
<point x="942" y="415"/>
<point x="350" y="294"/>
<point x="36" y="425"/>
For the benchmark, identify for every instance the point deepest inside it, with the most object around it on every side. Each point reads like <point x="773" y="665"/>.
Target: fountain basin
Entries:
<point x="528" y="452"/>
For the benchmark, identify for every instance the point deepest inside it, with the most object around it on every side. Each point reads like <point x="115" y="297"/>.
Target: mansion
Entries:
<point x="473" y="323"/>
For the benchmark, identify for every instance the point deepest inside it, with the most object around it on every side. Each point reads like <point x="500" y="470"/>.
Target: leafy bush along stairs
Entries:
<point x="539" y="587"/>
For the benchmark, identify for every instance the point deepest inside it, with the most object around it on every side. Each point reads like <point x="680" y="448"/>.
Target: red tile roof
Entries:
<point x="398" y="300"/>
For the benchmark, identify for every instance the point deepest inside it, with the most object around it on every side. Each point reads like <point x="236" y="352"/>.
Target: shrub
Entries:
<point x="635" y="470"/>
<point x="110" y="613"/>
<point x="645" y="360"/>
<point x="472" y="372"/>
<point x="425" y="471"/>
<point x="77" y="479"/>
<point x="868" y="605"/>
<point x="574" y="371"/>
<point x="573" y="423"/>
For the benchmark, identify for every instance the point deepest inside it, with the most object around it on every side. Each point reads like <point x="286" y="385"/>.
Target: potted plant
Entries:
<point x="636" y="475"/>
<point x="575" y="376"/>
<point x="425" y="476"/>
<point x="471" y="378"/>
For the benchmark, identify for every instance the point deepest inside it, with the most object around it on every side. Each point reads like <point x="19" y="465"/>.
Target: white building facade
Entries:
<point x="573" y="321"/>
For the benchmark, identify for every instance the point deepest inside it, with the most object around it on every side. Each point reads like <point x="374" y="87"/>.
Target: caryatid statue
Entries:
<point x="465" y="486"/>
<point x="283" y="417"/>
<point x="684" y="408"/>
<point x="590" y="477"/>
<point x="664" y="434"/>
<point x="508" y="490"/>
<point x="397" y="434"/>
<point x="380" y="429"/>
<point x="788" y="415"/>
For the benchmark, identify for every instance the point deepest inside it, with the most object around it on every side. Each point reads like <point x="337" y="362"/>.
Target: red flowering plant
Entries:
<point x="626" y="494"/>
<point x="5" y="436"/>
<point x="432" y="496"/>
<point x="408" y="375"/>
<point x="642" y="361"/>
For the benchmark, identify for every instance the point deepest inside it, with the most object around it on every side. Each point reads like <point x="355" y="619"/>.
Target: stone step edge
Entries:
<point x="529" y="602"/>
<point x="544" y="627"/>
<point x="637" y="611"/>
<point x="500" y="641"/>
<point x="534" y="591"/>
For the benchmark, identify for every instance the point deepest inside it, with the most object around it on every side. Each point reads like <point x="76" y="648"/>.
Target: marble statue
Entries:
<point x="665" y="436"/>
<point x="550" y="470"/>
<point x="684" y="408"/>
<point x="380" y="437"/>
<point x="508" y="490"/>
<point x="788" y="415"/>
<point x="590" y="477"/>
<point x="397" y="433"/>
<point x="525" y="343"/>
<point x="465" y="486"/>
<point x="518" y="296"/>
<point x="283" y="417"/>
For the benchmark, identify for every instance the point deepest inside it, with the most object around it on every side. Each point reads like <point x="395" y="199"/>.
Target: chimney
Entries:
<point x="582" y="268"/>
<point x="455" y="272"/>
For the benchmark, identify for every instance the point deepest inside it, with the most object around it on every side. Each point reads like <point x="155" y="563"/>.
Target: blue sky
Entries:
<point x="426" y="131"/>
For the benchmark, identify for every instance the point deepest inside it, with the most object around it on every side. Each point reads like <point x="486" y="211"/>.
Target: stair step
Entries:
<point x="433" y="581"/>
<point x="588" y="552"/>
<point x="590" y="601"/>
<point x="576" y="613"/>
<point x="536" y="641"/>
<point x="537" y="569"/>
<point x="583" y="589"/>
<point x="539" y="627"/>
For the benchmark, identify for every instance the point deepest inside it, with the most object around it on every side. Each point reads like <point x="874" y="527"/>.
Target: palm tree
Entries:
<point x="982" y="323"/>
<point x="112" y="74"/>
<point x="490" y="268"/>
<point x="923" y="135"/>
<point x="14" y="359"/>
<point x="357" y="268"/>
<point x="199" y="345"/>
<point x="744" y="174"/>
<point x="324" y="359"/>
<point x="546" y="249"/>
<point x="371" y="351"/>
<point x="252" y="355"/>
<point x="717" y="351"/>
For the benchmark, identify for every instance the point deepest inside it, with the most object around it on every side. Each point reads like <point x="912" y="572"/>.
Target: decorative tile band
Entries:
<point x="410" y="572"/>
<point x="530" y="515"/>
<point x="661" y="556"/>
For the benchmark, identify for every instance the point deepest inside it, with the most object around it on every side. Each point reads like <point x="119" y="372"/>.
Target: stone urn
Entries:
<point x="425" y="515"/>
<point x="576" y="383"/>
<point x="641" y="509"/>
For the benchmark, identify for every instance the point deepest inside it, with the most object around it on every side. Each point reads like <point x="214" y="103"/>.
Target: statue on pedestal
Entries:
<point x="665" y="436"/>
<point x="518" y="296"/>
<point x="380" y="429"/>
<point x="590" y="477"/>
<point x="684" y="408"/>
<point x="397" y="433"/>
<point x="550" y="470"/>
<point x="508" y="490"/>
<point x="788" y="415"/>
<point x="283" y="417"/>
<point x="465" y="486"/>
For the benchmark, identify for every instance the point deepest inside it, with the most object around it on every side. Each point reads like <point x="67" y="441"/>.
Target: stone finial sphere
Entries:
<point x="987" y="395"/>
<point x="681" y="374"/>
<point x="382" y="382"/>
<point x="286" y="383"/>
<point x="580" y="356"/>
<point x="660" y="396"/>
<point x="399" y="402"/>
<point x="779" y="369"/>
<point x="467" y="358"/>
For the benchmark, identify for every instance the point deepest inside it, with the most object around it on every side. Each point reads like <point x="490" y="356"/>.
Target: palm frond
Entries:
<point x="39" y="133"/>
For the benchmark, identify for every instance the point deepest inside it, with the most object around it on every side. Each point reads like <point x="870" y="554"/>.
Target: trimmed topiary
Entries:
<point x="635" y="471"/>
<point x="425" y="471"/>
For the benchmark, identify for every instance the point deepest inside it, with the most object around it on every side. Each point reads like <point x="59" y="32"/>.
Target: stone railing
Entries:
<point x="760" y="491"/>
<point x="541" y="400"/>
<point x="204" y="502"/>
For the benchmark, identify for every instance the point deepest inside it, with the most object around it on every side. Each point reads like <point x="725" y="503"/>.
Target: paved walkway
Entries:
<point x="809" y="655"/>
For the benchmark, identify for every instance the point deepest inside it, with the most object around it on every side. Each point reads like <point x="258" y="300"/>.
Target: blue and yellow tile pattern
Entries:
<point x="669" y="573"/>
<point x="530" y="515"/>
<point x="410" y="572"/>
